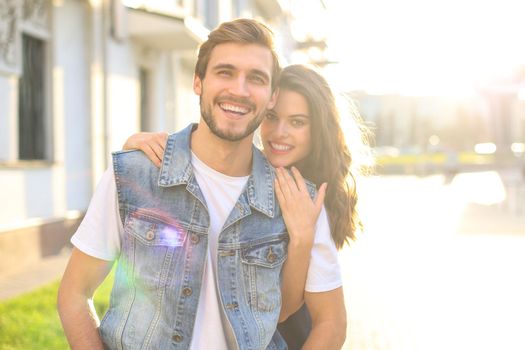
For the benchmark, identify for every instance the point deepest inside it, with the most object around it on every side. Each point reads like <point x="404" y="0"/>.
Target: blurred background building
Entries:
<point x="480" y="131"/>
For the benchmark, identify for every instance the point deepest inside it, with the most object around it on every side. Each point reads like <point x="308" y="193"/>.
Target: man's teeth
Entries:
<point x="280" y="147"/>
<point x="235" y="109"/>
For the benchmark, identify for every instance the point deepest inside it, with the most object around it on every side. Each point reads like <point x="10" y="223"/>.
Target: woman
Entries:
<point x="303" y="132"/>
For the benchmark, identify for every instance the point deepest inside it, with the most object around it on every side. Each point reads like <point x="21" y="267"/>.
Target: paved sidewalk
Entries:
<point x="33" y="276"/>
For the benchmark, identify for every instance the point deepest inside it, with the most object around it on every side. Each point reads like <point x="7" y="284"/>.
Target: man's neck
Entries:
<point x="227" y="157"/>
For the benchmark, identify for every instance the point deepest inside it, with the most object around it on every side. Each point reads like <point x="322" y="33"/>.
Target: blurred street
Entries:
<point x="441" y="264"/>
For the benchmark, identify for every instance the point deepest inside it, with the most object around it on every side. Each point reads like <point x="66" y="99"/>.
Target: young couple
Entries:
<point x="216" y="246"/>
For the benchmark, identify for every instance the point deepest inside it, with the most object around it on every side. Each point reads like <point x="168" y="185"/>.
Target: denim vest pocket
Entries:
<point x="158" y="241"/>
<point x="262" y="262"/>
<point x="153" y="229"/>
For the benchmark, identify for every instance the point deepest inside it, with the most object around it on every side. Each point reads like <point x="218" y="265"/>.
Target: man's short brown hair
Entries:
<point x="242" y="31"/>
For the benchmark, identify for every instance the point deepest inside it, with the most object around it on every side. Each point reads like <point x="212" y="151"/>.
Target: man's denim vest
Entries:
<point x="163" y="253"/>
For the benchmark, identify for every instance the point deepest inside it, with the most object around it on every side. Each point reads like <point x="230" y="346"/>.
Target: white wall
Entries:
<point x="8" y="115"/>
<point x="71" y="102"/>
<point x="123" y="93"/>
<point x="25" y="193"/>
<point x="186" y="102"/>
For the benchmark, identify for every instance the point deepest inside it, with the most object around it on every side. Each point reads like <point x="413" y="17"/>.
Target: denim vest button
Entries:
<point x="150" y="235"/>
<point x="187" y="291"/>
<point x="195" y="238"/>
<point x="271" y="257"/>
<point x="177" y="338"/>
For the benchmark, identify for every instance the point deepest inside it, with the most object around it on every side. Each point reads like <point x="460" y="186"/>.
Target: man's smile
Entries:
<point x="236" y="109"/>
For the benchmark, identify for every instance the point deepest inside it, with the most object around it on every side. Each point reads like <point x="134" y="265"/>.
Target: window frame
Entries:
<point x="40" y="31"/>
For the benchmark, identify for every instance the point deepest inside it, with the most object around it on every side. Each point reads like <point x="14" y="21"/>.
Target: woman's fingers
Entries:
<point x="293" y="190"/>
<point x="163" y="138"/>
<point x="133" y="141"/>
<point x="299" y="180"/>
<point x="151" y="154"/>
<point x="283" y="183"/>
<point x="151" y="143"/>
<point x="158" y="149"/>
<point x="289" y="180"/>
<point x="158" y="143"/>
<point x="152" y="148"/>
<point x="279" y="192"/>
<point x="321" y="193"/>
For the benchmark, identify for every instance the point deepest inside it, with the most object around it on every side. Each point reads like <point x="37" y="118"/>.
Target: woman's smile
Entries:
<point x="279" y="148"/>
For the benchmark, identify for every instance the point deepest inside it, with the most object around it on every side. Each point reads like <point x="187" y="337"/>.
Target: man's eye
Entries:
<point x="224" y="73"/>
<point x="258" y="80"/>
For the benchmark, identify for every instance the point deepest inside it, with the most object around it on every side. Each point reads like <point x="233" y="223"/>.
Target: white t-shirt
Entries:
<point x="99" y="235"/>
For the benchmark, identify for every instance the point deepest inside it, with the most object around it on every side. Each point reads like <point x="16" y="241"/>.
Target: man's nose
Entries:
<point x="239" y="87"/>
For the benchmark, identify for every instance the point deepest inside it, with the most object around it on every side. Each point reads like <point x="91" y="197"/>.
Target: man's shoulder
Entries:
<point x="132" y="161"/>
<point x="130" y="156"/>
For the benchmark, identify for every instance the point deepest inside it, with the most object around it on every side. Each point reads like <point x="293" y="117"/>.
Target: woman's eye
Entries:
<point x="271" y="116"/>
<point x="298" y="123"/>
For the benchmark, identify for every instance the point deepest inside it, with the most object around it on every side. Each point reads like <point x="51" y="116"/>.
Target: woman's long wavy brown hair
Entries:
<point x="330" y="159"/>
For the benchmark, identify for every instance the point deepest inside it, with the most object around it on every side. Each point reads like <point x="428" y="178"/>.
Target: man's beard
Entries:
<point x="228" y="135"/>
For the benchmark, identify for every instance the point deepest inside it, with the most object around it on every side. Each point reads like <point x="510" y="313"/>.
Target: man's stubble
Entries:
<point x="207" y="116"/>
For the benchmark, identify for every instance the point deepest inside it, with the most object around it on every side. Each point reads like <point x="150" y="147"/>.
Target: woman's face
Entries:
<point x="285" y="132"/>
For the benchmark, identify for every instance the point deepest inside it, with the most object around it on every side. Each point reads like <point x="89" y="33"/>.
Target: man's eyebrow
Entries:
<point x="232" y="67"/>
<point x="223" y="66"/>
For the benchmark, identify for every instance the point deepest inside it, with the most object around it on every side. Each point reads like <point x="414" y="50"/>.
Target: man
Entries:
<point x="200" y="243"/>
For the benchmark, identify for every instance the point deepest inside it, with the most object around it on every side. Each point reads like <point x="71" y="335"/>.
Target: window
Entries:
<point x="31" y="101"/>
<point x="236" y="8"/>
<point x="211" y="14"/>
<point x="207" y="11"/>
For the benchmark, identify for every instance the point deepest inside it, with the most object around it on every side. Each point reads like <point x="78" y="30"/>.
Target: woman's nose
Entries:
<point x="282" y="129"/>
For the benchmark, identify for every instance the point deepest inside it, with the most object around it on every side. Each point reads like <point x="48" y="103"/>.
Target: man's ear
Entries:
<point x="197" y="85"/>
<point x="273" y="99"/>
